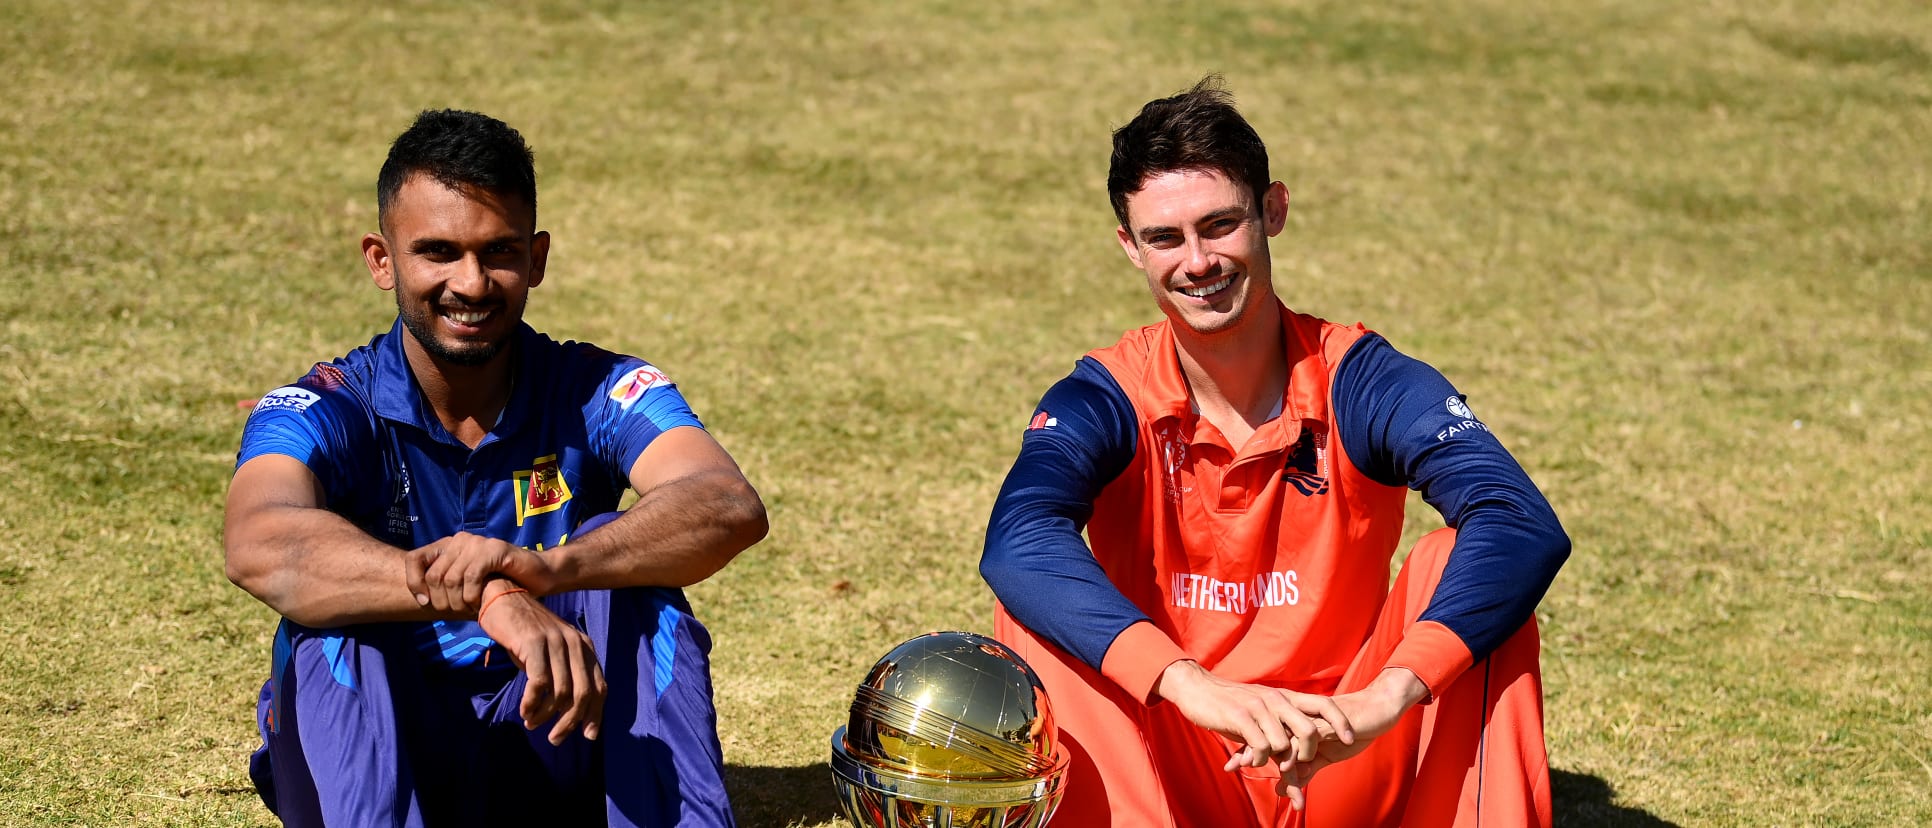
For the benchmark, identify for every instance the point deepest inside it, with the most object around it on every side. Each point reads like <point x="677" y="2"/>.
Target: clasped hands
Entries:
<point x="1300" y="733"/>
<point x="465" y="574"/>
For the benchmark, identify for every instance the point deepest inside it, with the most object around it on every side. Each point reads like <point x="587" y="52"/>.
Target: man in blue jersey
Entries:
<point x="469" y="635"/>
<point x="1226" y="627"/>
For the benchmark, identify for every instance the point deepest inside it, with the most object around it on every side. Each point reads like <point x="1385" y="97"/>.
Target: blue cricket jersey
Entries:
<point x="577" y="419"/>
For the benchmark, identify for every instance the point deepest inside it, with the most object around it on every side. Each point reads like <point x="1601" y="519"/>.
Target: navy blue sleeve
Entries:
<point x="1080" y="439"/>
<point x="1403" y="424"/>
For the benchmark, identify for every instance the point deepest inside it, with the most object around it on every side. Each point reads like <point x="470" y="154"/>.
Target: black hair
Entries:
<point x="1195" y="130"/>
<point x="460" y="149"/>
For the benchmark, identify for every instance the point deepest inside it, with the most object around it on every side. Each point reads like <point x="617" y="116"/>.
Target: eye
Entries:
<point x="437" y="252"/>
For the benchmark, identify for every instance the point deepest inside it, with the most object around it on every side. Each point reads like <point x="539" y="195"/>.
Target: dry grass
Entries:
<point x="1676" y="255"/>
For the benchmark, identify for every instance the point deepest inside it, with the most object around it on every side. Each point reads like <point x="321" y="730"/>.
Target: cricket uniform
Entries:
<point x="413" y="724"/>
<point x="1268" y="563"/>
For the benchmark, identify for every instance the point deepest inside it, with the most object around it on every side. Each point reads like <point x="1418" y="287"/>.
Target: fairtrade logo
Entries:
<point x="632" y="386"/>
<point x="1459" y="409"/>
<point x="541" y="488"/>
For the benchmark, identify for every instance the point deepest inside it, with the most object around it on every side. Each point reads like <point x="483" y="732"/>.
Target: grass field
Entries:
<point x="1679" y="255"/>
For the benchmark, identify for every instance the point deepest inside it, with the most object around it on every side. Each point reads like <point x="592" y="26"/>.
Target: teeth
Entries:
<point x="1208" y="290"/>
<point x="469" y="318"/>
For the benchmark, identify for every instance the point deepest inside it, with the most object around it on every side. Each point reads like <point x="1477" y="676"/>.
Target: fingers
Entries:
<point x="1287" y="727"/>
<point x="1328" y="716"/>
<point x="449" y="575"/>
<point x="415" y="564"/>
<point x="583" y="702"/>
<point x="537" y="685"/>
<point x="1295" y="778"/>
<point x="1300" y="734"/>
<point x="562" y="679"/>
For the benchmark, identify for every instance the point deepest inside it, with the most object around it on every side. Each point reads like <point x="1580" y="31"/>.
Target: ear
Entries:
<point x="1129" y="245"/>
<point x="375" y="254"/>
<point x="539" y="254"/>
<point x="1274" y="208"/>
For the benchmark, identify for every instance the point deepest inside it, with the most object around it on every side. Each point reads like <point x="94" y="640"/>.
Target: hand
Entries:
<point x="1270" y="723"/>
<point x="448" y="575"/>
<point x="563" y="678"/>
<point x="1373" y="711"/>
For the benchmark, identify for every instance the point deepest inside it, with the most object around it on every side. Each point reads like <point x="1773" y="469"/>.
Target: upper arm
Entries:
<point x="682" y="452"/>
<point x="1404" y="424"/>
<point x="646" y="430"/>
<point x="1081" y="438"/>
<point x="263" y="487"/>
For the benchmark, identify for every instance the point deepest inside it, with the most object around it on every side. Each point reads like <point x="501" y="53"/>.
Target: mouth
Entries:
<point x="467" y="319"/>
<point x="1209" y="289"/>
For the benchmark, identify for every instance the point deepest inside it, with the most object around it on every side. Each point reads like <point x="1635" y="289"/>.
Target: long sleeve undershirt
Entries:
<point x="1395" y="419"/>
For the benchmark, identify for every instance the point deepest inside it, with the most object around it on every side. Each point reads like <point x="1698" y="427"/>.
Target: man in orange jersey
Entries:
<point x="1227" y="627"/>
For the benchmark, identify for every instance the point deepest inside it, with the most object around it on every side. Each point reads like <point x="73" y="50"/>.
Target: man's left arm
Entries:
<point x="1404" y="424"/>
<point x="694" y="513"/>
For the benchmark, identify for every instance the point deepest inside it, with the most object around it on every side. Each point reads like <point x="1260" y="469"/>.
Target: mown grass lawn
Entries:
<point x="1676" y="255"/>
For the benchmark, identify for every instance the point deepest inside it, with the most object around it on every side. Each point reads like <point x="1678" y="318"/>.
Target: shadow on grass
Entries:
<point x="1578" y="799"/>
<point x="778" y="797"/>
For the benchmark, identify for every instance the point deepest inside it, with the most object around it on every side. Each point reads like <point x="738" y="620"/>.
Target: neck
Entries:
<point x="1236" y="378"/>
<point x="467" y="399"/>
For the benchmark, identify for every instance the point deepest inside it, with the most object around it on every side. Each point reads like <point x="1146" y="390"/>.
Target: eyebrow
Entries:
<point x="1146" y="233"/>
<point x="430" y="243"/>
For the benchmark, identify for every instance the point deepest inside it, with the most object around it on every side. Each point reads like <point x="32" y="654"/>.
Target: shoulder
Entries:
<point x="336" y="388"/>
<point x="584" y="365"/>
<point x="1134" y="349"/>
<point x="1313" y="334"/>
<point x="325" y="412"/>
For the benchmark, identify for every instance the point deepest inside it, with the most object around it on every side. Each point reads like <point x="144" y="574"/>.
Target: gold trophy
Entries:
<point x="949" y="730"/>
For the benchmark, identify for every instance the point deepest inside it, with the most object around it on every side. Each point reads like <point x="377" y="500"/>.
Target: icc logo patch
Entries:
<point x="541" y="488"/>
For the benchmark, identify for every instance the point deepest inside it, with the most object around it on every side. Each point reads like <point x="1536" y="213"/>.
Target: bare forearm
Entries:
<point x="317" y="569"/>
<point x="675" y="535"/>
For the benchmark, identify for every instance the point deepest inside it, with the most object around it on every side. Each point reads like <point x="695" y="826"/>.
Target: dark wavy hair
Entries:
<point x="460" y="149"/>
<point x="1195" y="130"/>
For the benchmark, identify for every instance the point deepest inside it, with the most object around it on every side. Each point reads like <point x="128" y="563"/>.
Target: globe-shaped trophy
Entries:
<point x="949" y="730"/>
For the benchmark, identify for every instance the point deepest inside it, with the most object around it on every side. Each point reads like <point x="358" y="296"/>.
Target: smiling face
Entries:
<point x="1203" y="244"/>
<point x="462" y="262"/>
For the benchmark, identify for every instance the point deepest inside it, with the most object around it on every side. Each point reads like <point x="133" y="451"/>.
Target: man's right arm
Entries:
<point x="1038" y="565"/>
<point x="313" y="566"/>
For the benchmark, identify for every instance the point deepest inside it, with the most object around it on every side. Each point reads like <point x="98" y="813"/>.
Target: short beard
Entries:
<point x="421" y="326"/>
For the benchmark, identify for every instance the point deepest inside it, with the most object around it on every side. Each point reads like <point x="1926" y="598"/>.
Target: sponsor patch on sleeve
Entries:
<point x="290" y="397"/>
<point x="631" y="387"/>
<point x="1465" y="419"/>
<point x="1042" y="420"/>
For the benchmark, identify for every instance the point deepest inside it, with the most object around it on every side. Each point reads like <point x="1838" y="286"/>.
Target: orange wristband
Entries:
<point x="486" y="604"/>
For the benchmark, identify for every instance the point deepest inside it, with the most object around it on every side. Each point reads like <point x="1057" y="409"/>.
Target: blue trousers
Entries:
<point x="358" y="729"/>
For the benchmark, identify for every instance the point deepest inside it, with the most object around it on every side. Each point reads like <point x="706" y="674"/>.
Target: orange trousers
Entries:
<point x="1472" y="757"/>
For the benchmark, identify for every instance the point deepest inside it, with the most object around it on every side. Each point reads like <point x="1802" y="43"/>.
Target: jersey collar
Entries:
<point x="1166" y="392"/>
<point x="399" y="399"/>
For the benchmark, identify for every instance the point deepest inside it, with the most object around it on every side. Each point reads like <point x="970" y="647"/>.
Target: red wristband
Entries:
<point x="493" y="599"/>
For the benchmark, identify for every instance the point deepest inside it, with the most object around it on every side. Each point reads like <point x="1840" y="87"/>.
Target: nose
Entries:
<point x="1200" y="260"/>
<point x="469" y="282"/>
